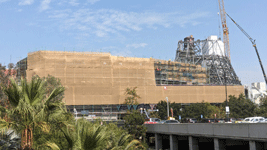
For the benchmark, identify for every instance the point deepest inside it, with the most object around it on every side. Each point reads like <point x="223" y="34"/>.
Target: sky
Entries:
<point x="150" y="28"/>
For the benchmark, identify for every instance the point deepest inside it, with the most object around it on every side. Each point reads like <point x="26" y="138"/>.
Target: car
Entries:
<point x="219" y="120"/>
<point x="230" y="120"/>
<point x="253" y="120"/>
<point x="168" y="121"/>
<point x="190" y="120"/>
<point x="239" y="120"/>
<point x="207" y="120"/>
<point x="152" y="121"/>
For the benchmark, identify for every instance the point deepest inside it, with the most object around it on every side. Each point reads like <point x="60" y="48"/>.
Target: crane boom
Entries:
<point x="225" y="30"/>
<point x="253" y="44"/>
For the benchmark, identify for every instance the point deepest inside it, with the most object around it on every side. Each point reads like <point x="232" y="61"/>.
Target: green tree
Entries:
<point x="131" y="96"/>
<point x="240" y="107"/>
<point x="134" y="125"/>
<point x="30" y="109"/>
<point x="50" y="84"/>
<point x="85" y="135"/>
<point x="262" y="109"/>
<point x="162" y="107"/>
<point x="195" y="110"/>
<point x="55" y="123"/>
<point x="5" y="74"/>
<point x="218" y="110"/>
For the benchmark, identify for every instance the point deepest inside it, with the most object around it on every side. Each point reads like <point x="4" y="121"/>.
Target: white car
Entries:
<point x="253" y="120"/>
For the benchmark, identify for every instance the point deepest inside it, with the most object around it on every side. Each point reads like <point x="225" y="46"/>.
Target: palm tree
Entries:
<point x="90" y="136"/>
<point x="123" y="142"/>
<point x="30" y="108"/>
<point x="85" y="135"/>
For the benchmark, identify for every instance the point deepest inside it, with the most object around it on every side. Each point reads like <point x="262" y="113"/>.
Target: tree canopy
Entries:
<point x="134" y="125"/>
<point x="240" y="107"/>
<point x="36" y="113"/>
<point x="131" y="96"/>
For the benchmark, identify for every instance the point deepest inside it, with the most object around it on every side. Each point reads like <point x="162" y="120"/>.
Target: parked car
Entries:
<point x="253" y="120"/>
<point x="207" y="120"/>
<point x="190" y="120"/>
<point x="152" y="121"/>
<point x="219" y="121"/>
<point x="169" y="121"/>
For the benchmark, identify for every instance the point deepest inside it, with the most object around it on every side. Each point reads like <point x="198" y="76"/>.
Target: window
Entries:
<point x="174" y="121"/>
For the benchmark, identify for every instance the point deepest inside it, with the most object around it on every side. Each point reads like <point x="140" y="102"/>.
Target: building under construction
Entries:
<point x="208" y="53"/>
<point x="96" y="82"/>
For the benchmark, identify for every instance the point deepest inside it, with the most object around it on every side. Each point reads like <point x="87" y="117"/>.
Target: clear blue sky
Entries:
<point x="140" y="28"/>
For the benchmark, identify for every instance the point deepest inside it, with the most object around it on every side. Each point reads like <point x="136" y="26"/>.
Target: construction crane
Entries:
<point x="254" y="45"/>
<point x="225" y="30"/>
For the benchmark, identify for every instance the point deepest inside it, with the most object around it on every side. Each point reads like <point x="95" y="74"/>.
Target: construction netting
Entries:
<point x="102" y="79"/>
<point x="178" y="73"/>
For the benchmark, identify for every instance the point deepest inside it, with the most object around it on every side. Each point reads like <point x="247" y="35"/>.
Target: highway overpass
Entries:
<point x="208" y="136"/>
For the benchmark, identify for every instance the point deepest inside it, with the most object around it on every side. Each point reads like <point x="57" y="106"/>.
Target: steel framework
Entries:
<point x="219" y="67"/>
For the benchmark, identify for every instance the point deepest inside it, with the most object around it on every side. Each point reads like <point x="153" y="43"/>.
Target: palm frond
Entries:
<point x="70" y="136"/>
<point x="124" y="138"/>
<point x="95" y="137"/>
<point x="57" y="91"/>
<point x="132" y="144"/>
<point x="4" y="125"/>
<point x="50" y="145"/>
<point x="13" y="93"/>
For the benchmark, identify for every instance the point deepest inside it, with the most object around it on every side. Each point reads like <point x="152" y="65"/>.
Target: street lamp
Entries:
<point x="227" y="110"/>
<point x="167" y="107"/>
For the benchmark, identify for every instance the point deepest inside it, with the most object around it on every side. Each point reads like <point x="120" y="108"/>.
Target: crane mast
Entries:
<point x="225" y="30"/>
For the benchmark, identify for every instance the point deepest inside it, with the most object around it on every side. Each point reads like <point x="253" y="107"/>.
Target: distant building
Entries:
<point x="257" y="90"/>
<point x="11" y="72"/>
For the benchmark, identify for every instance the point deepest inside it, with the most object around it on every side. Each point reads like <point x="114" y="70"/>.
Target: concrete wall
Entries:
<point x="99" y="78"/>
<point x="234" y="131"/>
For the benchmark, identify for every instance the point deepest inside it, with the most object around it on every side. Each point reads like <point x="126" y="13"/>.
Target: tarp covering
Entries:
<point x="101" y="79"/>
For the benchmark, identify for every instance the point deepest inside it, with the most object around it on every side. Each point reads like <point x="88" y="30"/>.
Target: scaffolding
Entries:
<point x="21" y="68"/>
<point x="210" y="54"/>
<point x="178" y="73"/>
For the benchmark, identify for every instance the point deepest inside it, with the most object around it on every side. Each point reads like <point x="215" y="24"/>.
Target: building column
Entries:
<point x="158" y="141"/>
<point x="218" y="144"/>
<point x="265" y="145"/>
<point x="193" y="143"/>
<point x="252" y="145"/>
<point x="173" y="142"/>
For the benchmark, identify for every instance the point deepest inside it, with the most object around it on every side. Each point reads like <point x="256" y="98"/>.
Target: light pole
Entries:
<point x="167" y="107"/>
<point x="226" y="107"/>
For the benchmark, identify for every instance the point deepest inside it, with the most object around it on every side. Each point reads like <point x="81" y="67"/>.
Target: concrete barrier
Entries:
<point x="243" y="131"/>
